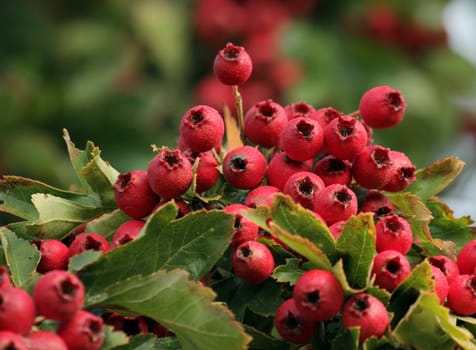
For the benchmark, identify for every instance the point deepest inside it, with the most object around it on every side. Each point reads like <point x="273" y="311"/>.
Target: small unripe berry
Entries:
<point x="88" y="241"/>
<point x="261" y="195"/>
<point x="281" y="167"/>
<point x="202" y="128"/>
<point x="83" y="331"/>
<point x="54" y="255"/>
<point x="390" y="269"/>
<point x="372" y="168"/>
<point x="393" y="233"/>
<point x="232" y="65"/>
<point x="12" y="341"/>
<point x="17" y="310"/>
<point x="127" y="232"/>
<point x="345" y="137"/>
<point x="291" y="325"/>
<point x="45" y="340"/>
<point x="403" y="173"/>
<point x="244" y="167"/>
<point x="59" y="294"/>
<point x="382" y="107"/>
<point x="335" y="203"/>
<point x="333" y="170"/>
<point x="133" y="194"/>
<point x="170" y="173"/>
<point x="253" y="262"/>
<point x="303" y="187"/>
<point x="302" y="138"/>
<point x="466" y="258"/>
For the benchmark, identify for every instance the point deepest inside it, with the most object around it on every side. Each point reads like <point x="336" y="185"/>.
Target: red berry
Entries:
<point x="202" y="128"/>
<point x="441" y="283"/>
<point x="133" y="194"/>
<point x="335" y="203"/>
<point x="448" y="266"/>
<point x="131" y="325"/>
<point x="232" y="65"/>
<point x="324" y="116"/>
<point x="382" y="107"/>
<point x="244" y="229"/>
<point x="466" y="258"/>
<point x="207" y="172"/>
<point x="261" y="195"/>
<point x="88" y="241"/>
<point x="298" y="109"/>
<point x="83" y="331"/>
<point x="377" y="203"/>
<point x="462" y="295"/>
<point x="367" y="313"/>
<point x="303" y="187"/>
<point x="127" y="232"/>
<point x="373" y="168"/>
<point x="318" y="295"/>
<point x="5" y="280"/>
<point x="253" y="262"/>
<point x="403" y="173"/>
<point x="333" y="170"/>
<point x="291" y="325"/>
<point x="17" y="310"/>
<point x="393" y="233"/>
<point x="58" y="295"/>
<point x="336" y="228"/>
<point x="170" y="173"/>
<point x="244" y="167"/>
<point x="281" y="167"/>
<point x="264" y="123"/>
<point x="54" y="255"/>
<point x="12" y="341"/>
<point x="302" y="138"/>
<point x="390" y="269"/>
<point x="345" y="137"/>
<point x="45" y="340"/>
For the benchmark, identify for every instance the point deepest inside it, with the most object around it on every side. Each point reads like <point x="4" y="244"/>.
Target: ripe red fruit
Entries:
<point x="390" y="269"/>
<point x="58" y="295"/>
<point x="12" y="341"/>
<point x="333" y="170"/>
<point x="366" y="312"/>
<point x="264" y="123"/>
<point x="232" y="65"/>
<point x="448" y="266"/>
<point x="261" y="195"/>
<point x="345" y="137"/>
<point x="253" y="262"/>
<point x="403" y="173"/>
<point x="133" y="194"/>
<point x="298" y="109"/>
<point x="303" y="187"/>
<point x="462" y="295"/>
<point x="17" y="310"/>
<point x="318" y="295"/>
<point x="441" y="283"/>
<point x="207" y="172"/>
<point x="54" y="255"/>
<point x="291" y="325"/>
<point x="244" y="167"/>
<point x="393" y="233"/>
<point x="83" y="331"/>
<point x="281" y="167"/>
<point x="324" y="115"/>
<point x="335" y="203"/>
<point x="170" y="173"/>
<point x="336" y="228"/>
<point x="302" y="138"/>
<point x="202" y="128"/>
<point x="126" y="232"/>
<point x="466" y="258"/>
<point x="45" y="340"/>
<point x="373" y="168"/>
<point x="382" y="107"/>
<point x="88" y="241"/>
<point x="244" y="229"/>
<point x="377" y="203"/>
<point x="131" y="325"/>
<point x="5" y="280"/>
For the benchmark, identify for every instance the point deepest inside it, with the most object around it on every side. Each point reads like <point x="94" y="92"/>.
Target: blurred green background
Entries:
<point x="122" y="73"/>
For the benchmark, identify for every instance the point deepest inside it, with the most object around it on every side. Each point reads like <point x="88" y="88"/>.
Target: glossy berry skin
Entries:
<point x="170" y="173"/>
<point x="303" y="187"/>
<point x="466" y="258"/>
<point x="302" y="138"/>
<point x="373" y="168"/>
<point x="264" y="123"/>
<point x="318" y="295"/>
<point x="232" y="65"/>
<point x="366" y="312"/>
<point x="333" y="170"/>
<point x="335" y="203"/>
<point x="448" y="266"/>
<point x="441" y="283"/>
<point x="377" y="203"/>
<point x="5" y="280"/>
<point x="133" y="194"/>
<point x="12" y="341"/>
<point x="390" y="268"/>
<point x="403" y="173"/>
<point x="382" y="107"/>
<point x="298" y="109"/>
<point x="243" y="229"/>
<point x="244" y="167"/>
<point x="88" y="241"/>
<point x="83" y="331"/>
<point x="345" y="137"/>
<point x="58" y="295"/>
<point x="291" y="325"/>
<point x="17" y="310"/>
<point x="261" y="195"/>
<point x="253" y="262"/>
<point x="127" y="232"/>
<point x="54" y="255"/>
<point x="281" y="167"/>
<point x="393" y="233"/>
<point x="45" y="340"/>
<point x="202" y="128"/>
<point x="462" y="295"/>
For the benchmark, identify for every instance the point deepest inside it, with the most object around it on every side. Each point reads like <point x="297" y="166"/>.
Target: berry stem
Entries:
<point x="355" y="114"/>
<point x="239" y="111"/>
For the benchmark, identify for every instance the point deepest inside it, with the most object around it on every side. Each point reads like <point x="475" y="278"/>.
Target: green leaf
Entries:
<point x="78" y="262"/>
<point x="183" y="306"/>
<point x="55" y="229"/>
<point x="194" y="242"/>
<point x="348" y="339"/>
<point x="436" y="177"/>
<point x="339" y="272"/>
<point x="107" y="223"/>
<point x="428" y="323"/>
<point x="151" y="342"/>
<point x="21" y="256"/>
<point x="266" y="298"/>
<point x="264" y="341"/>
<point x="113" y="338"/>
<point x="290" y="272"/>
<point x="356" y="246"/>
